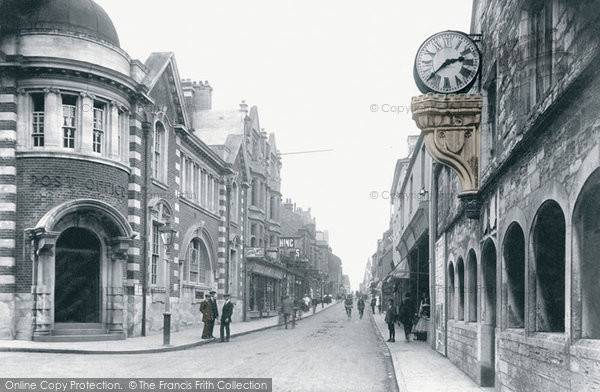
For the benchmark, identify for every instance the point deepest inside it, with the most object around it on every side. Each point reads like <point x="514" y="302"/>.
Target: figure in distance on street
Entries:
<point x="348" y="306"/>
<point x="207" y="316"/>
<point x="407" y="315"/>
<point x="226" y="313"/>
<point x="390" y="319"/>
<point x="287" y="307"/>
<point x="361" y="306"/>
<point x="215" y="313"/>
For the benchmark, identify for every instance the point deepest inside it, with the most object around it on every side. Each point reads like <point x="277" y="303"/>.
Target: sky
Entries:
<point x="333" y="74"/>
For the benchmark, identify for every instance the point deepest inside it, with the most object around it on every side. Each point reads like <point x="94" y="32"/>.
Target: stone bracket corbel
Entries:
<point x="451" y="128"/>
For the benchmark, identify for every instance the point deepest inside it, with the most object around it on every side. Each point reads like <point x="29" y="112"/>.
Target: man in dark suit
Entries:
<point x="207" y="316"/>
<point x="226" y="313"/>
<point x="215" y="312"/>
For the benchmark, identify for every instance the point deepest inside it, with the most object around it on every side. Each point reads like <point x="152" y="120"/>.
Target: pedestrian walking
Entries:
<point x="287" y="307"/>
<point x="226" y="313"/>
<point x="315" y="302"/>
<point x="407" y="314"/>
<point x="390" y="319"/>
<point x="361" y="307"/>
<point x="215" y="310"/>
<point x="379" y="304"/>
<point x="348" y="305"/>
<point x="207" y="316"/>
<point x="373" y="303"/>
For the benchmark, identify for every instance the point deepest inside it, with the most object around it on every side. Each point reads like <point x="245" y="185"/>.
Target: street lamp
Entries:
<point x="167" y="234"/>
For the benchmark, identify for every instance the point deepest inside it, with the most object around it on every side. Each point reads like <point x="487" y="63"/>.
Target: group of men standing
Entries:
<point x="210" y="312"/>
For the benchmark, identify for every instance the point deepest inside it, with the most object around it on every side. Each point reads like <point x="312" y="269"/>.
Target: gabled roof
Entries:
<point x="157" y="63"/>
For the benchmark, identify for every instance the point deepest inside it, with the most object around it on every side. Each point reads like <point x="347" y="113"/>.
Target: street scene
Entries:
<point x="300" y="196"/>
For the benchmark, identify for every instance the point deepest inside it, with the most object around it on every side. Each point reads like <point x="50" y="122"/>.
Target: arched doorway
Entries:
<point x="488" y="322"/>
<point x="77" y="277"/>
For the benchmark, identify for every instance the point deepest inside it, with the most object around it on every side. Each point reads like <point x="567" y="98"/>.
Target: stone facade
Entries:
<point x="518" y="280"/>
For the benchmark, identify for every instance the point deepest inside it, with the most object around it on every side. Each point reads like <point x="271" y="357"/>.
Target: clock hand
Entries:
<point x="445" y="64"/>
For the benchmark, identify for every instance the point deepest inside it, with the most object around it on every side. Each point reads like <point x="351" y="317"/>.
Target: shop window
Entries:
<point x="451" y="291"/>
<point x="69" y="120"/>
<point x="460" y="269"/>
<point x="514" y="262"/>
<point x="472" y="282"/>
<point x="549" y="257"/>
<point x="38" y="119"/>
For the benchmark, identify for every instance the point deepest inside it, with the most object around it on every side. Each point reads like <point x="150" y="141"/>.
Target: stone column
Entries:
<point x="52" y="118"/>
<point x="115" y="293"/>
<point x="24" y="110"/>
<point x="87" y="124"/>
<point x="114" y="130"/>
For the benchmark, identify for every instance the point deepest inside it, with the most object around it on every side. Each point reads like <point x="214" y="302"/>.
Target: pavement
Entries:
<point x="181" y="340"/>
<point x="324" y="352"/>
<point x="419" y="368"/>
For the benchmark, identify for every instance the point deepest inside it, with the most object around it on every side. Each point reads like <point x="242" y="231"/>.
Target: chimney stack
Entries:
<point x="244" y="107"/>
<point x="198" y="95"/>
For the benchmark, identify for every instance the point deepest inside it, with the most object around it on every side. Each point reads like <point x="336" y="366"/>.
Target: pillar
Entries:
<point x="87" y="124"/>
<point x="52" y="118"/>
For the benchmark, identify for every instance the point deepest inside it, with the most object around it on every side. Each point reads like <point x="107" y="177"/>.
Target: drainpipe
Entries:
<point x="147" y="154"/>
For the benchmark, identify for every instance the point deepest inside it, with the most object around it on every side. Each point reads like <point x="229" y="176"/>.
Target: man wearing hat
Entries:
<point x="215" y="312"/>
<point x="207" y="316"/>
<point x="226" y="313"/>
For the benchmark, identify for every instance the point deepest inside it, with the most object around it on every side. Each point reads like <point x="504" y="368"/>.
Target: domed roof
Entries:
<point x="75" y="16"/>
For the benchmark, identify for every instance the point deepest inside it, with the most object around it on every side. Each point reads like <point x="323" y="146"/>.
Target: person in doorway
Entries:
<point x="361" y="307"/>
<point x="390" y="319"/>
<point x="207" y="316"/>
<point x="215" y="310"/>
<point x="287" y="307"/>
<point x="373" y="303"/>
<point x="226" y="313"/>
<point x="407" y="315"/>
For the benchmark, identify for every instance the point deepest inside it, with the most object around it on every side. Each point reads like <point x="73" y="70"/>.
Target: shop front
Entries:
<point x="265" y="288"/>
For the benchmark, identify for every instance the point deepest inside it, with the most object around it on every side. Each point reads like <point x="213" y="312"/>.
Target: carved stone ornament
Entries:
<point x="451" y="126"/>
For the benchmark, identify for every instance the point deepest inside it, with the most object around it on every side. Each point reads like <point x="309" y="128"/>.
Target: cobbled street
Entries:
<point x="326" y="352"/>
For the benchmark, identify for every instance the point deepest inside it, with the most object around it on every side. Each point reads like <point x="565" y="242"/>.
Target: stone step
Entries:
<point x="79" y="331"/>
<point x="79" y="338"/>
<point x="58" y="326"/>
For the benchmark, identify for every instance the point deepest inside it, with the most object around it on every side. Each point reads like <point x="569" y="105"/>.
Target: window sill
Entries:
<point x="198" y="207"/>
<point x="160" y="184"/>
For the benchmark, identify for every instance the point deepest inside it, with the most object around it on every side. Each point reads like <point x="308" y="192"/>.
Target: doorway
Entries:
<point x="77" y="277"/>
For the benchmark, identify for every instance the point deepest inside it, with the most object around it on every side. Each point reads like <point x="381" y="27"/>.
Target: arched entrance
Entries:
<point x="488" y="322"/>
<point x="77" y="277"/>
<point x="80" y="249"/>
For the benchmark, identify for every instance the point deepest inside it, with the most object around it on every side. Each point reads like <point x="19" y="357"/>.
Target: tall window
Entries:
<point x="38" y="120"/>
<point x="69" y="127"/>
<point x="195" y="185"/>
<point x="216" y="196"/>
<point x="159" y="141"/>
<point x="234" y="202"/>
<point x="98" y="128"/>
<point x="514" y="263"/>
<point x="492" y="117"/>
<point x="197" y="263"/>
<point x="155" y="253"/>
<point x="204" y="188"/>
<point x="451" y="292"/>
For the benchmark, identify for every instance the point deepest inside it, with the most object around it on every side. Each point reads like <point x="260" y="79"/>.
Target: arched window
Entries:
<point x="548" y="240"/>
<point x="586" y="253"/>
<point x="159" y="154"/>
<point x="197" y="262"/>
<point x="451" y="291"/>
<point x="513" y="253"/>
<point x="460" y="270"/>
<point x="472" y="285"/>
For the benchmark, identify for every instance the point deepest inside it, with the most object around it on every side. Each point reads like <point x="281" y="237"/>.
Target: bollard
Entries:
<point x="166" y="329"/>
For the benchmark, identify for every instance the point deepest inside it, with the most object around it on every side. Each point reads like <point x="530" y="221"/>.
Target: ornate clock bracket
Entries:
<point x="451" y="126"/>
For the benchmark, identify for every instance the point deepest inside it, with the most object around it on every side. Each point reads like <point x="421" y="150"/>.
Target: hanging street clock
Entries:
<point x="447" y="63"/>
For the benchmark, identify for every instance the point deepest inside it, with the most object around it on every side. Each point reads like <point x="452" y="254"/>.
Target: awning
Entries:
<point x="402" y="270"/>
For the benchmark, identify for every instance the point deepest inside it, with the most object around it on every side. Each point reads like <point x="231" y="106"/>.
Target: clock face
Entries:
<point x="447" y="62"/>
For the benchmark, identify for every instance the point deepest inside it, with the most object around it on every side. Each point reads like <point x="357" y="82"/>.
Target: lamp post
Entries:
<point x="167" y="234"/>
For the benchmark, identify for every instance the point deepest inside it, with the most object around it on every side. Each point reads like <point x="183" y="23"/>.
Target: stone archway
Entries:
<point x="86" y="234"/>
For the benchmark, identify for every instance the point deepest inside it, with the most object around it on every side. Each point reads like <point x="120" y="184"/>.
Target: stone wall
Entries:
<point x="462" y="347"/>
